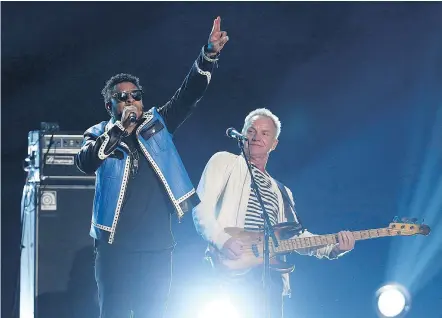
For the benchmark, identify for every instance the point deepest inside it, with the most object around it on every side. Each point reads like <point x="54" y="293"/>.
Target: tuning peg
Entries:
<point x="409" y="220"/>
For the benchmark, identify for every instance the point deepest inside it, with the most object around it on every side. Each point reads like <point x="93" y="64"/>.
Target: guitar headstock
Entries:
<point x="409" y="226"/>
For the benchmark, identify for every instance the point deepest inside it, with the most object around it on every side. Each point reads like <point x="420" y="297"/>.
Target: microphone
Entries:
<point x="233" y="133"/>
<point x="133" y="117"/>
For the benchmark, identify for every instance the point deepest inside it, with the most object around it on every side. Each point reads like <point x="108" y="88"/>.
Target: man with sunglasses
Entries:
<point x="140" y="182"/>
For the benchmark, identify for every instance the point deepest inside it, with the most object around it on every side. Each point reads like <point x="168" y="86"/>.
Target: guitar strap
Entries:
<point x="288" y="205"/>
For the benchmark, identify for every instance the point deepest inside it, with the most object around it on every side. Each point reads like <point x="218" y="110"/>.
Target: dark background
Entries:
<point x="357" y="87"/>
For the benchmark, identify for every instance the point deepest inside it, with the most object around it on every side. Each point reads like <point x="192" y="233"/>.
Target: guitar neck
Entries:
<point x="322" y="240"/>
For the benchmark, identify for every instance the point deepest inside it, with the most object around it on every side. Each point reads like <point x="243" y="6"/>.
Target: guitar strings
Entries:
<point x="259" y="245"/>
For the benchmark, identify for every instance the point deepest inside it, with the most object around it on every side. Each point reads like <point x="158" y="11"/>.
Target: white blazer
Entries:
<point x="224" y="191"/>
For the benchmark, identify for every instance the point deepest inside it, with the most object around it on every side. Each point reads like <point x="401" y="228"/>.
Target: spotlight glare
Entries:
<point x="220" y="308"/>
<point x="392" y="300"/>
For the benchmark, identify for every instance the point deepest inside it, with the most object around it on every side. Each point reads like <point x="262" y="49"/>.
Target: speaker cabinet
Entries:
<point x="57" y="261"/>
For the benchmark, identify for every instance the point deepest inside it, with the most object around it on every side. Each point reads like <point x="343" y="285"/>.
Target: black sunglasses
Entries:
<point x="123" y="96"/>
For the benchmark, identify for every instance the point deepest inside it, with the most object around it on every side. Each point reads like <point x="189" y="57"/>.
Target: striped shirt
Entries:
<point x="254" y="220"/>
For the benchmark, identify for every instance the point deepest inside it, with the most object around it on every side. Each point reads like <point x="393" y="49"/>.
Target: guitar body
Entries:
<point x="253" y="250"/>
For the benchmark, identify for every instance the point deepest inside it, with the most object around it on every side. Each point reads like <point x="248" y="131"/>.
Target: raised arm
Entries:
<point x="186" y="98"/>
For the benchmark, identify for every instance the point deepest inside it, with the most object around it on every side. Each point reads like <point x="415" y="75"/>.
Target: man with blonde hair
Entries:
<point x="229" y="200"/>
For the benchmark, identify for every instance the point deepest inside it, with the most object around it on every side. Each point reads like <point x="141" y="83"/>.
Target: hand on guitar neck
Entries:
<point x="346" y="242"/>
<point x="233" y="248"/>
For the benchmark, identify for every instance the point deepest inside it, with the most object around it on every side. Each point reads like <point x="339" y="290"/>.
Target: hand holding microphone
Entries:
<point x="129" y="118"/>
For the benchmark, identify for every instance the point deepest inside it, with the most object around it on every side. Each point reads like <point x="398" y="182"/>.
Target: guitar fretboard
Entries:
<point x="322" y="240"/>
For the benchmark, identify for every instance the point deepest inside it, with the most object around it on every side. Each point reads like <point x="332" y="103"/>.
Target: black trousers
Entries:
<point x="247" y="294"/>
<point x="132" y="284"/>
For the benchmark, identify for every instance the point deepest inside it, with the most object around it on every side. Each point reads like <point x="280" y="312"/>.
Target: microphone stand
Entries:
<point x="268" y="232"/>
